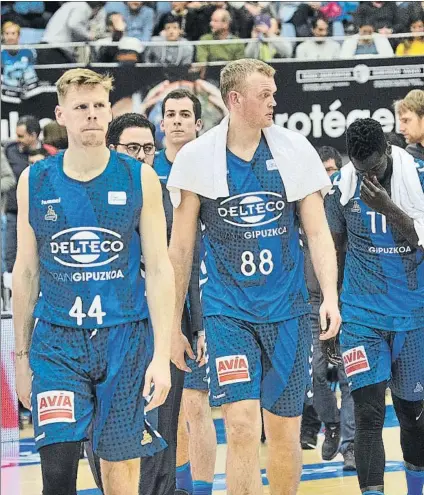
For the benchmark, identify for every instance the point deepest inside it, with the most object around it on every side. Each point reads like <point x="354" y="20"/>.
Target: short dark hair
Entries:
<point x="118" y="126"/>
<point x="319" y="18"/>
<point x="31" y="123"/>
<point x="396" y="139"/>
<point x="171" y="19"/>
<point x="364" y="137"/>
<point x="328" y="153"/>
<point x="39" y="151"/>
<point x="179" y="94"/>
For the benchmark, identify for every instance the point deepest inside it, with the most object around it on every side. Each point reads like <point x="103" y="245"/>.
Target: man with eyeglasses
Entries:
<point x="134" y="135"/>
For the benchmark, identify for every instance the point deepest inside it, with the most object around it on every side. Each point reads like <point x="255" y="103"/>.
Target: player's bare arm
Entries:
<point x="181" y="248"/>
<point x="160" y="286"/>
<point x="324" y="260"/>
<point x="376" y="197"/>
<point x="25" y="291"/>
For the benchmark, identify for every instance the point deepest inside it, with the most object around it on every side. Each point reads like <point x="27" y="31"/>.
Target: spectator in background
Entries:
<point x="413" y="10"/>
<point x="303" y="17"/>
<point x="413" y="46"/>
<point x="194" y="22"/>
<point x="18" y="73"/>
<point x="320" y="47"/>
<point x="26" y="14"/>
<point x="366" y="43"/>
<point x="220" y="30"/>
<point x="396" y="139"/>
<point x="69" y="24"/>
<point x="381" y="15"/>
<point x="35" y="156"/>
<point x="267" y="45"/>
<point x="8" y="181"/>
<point x="55" y="138"/>
<point x="115" y="28"/>
<point x="180" y="54"/>
<point x="138" y="17"/>
<point x="17" y="153"/>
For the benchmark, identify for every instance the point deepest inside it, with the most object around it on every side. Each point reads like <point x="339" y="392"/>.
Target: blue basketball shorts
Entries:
<point x="197" y="379"/>
<point x="92" y="380"/>
<point x="371" y="356"/>
<point x="268" y="362"/>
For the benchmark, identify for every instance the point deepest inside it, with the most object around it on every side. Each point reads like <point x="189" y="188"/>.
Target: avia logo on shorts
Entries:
<point x="232" y="369"/>
<point x="355" y="361"/>
<point x="85" y="247"/>
<point x="55" y="406"/>
<point x="251" y="209"/>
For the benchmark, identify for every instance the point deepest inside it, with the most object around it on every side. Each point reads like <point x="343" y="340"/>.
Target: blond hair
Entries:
<point x="9" y="24"/>
<point x="82" y="77"/>
<point x="234" y="74"/>
<point x="413" y="102"/>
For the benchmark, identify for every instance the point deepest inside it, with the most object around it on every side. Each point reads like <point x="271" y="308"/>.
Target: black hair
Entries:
<point x="39" y="151"/>
<point x="328" y="153"/>
<point x="315" y="20"/>
<point x="31" y="124"/>
<point x="171" y="19"/>
<point x="118" y="126"/>
<point x="364" y="137"/>
<point x="179" y="94"/>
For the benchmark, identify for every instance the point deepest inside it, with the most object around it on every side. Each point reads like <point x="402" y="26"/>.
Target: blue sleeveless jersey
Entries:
<point x="383" y="284"/>
<point x="162" y="166"/>
<point x="88" y="244"/>
<point x="252" y="266"/>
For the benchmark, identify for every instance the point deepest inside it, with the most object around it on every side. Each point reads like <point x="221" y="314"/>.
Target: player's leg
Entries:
<point x="183" y="467"/>
<point x="234" y="371"/>
<point x="62" y="402"/>
<point x="202" y="439"/>
<point x="367" y="362"/>
<point x="243" y="426"/>
<point x="120" y="477"/>
<point x="286" y="377"/>
<point x="408" y="399"/>
<point x="347" y="415"/>
<point x="284" y="465"/>
<point x="122" y="433"/>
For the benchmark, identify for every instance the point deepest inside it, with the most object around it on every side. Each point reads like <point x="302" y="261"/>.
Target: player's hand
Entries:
<point x="201" y="347"/>
<point x="179" y="347"/>
<point x="24" y="381"/>
<point x="330" y="319"/>
<point x="158" y="375"/>
<point x="374" y="195"/>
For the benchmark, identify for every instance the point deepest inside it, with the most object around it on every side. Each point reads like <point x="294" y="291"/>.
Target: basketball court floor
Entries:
<point x="318" y="477"/>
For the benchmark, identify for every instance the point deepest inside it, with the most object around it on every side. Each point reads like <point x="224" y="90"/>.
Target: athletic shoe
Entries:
<point x="330" y="447"/>
<point x="308" y="439"/>
<point x="349" y="463"/>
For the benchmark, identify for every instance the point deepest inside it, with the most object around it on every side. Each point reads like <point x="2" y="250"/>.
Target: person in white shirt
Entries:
<point x="320" y="47"/>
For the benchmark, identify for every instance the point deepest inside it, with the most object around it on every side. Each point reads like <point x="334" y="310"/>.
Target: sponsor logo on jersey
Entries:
<point x="85" y="247"/>
<point x="418" y="388"/>
<point x="87" y="276"/>
<point x="390" y="250"/>
<point x="50" y="201"/>
<point x="355" y="207"/>
<point x="117" y="197"/>
<point x="271" y="165"/>
<point x="355" y="361"/>
<point x="147" y="438"/>
<point x="252" y="209"/>
<point x="51" y="214"/>
<point x="55" y="406"/>
<point x="232" y="369"/>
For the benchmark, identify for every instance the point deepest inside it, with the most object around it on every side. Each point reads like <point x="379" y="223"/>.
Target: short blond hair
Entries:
<point x="82" y="77"/>
<point x="413" y="102"/>
<point x="234" y="74"/>
<point x="10" y="24"/>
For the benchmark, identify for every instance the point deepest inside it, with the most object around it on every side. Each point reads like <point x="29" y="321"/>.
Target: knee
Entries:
<point x="410" y="414"/>
<point x="196" y="406"/>
<point x="282" y="432"/>
<point x="370" y="406"/>
<point x="124" y="469"/>
<point x="243" y="425"/>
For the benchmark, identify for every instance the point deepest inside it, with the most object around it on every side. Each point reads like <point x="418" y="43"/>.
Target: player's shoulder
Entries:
<point x="294" y="136"/>
<point x="46" y="165"/>
<point x="420" y="169"/>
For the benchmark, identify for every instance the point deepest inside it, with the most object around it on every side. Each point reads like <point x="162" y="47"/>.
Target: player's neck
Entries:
<point x="85" y="163"/>
<point x="172" y="150"/>
<point x="242" y="139"/>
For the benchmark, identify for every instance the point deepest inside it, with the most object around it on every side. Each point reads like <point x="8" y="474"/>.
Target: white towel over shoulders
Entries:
<point x="201" y="165"/>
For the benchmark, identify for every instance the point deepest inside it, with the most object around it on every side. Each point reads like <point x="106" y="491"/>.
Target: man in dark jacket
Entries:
<point x="17" y="153"/>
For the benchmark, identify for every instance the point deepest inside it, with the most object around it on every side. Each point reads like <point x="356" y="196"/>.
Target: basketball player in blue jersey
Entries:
<point x="85" y="217"/>
<point x="196" y="451"/>
<point x="255" y="308"/>
<point x="382" y="336"/>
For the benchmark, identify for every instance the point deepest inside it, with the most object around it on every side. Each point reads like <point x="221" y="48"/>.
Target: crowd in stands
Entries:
<point x="270" y="26"/>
